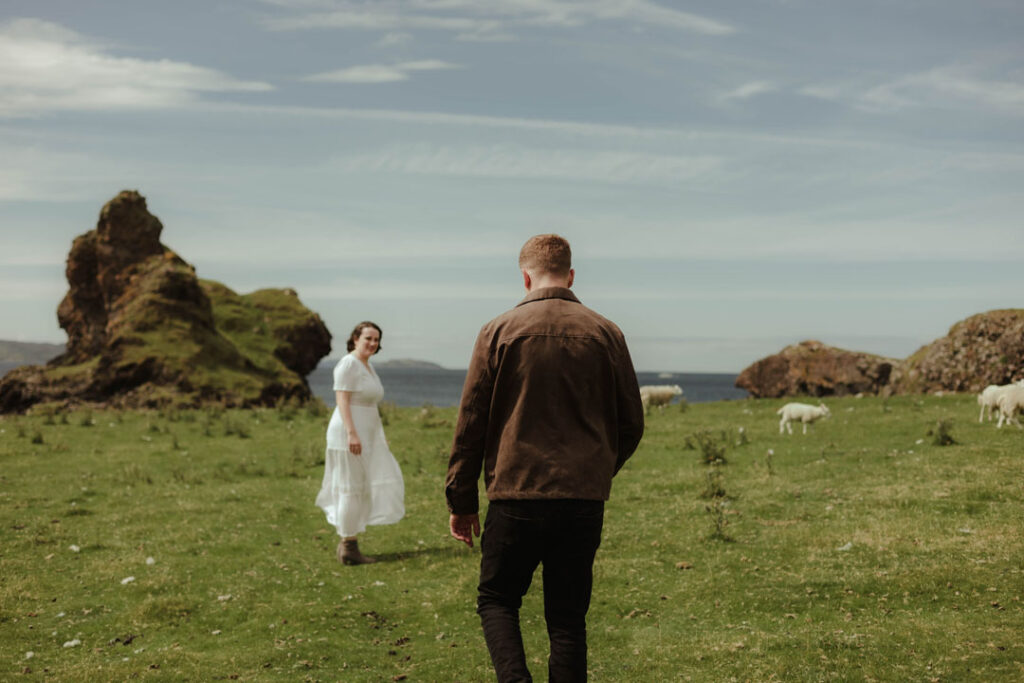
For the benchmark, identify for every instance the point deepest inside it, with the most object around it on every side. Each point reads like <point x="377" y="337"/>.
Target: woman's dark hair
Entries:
<point x="358" y="330"/>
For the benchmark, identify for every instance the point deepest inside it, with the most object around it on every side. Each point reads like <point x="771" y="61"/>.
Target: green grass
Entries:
<point x="858" y="552"/>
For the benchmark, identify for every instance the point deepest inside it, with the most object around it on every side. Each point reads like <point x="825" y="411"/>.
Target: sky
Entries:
<point x="733" y="177"/>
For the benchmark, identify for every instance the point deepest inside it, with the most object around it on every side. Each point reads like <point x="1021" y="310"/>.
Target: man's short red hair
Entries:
<point x="546" y="254"/>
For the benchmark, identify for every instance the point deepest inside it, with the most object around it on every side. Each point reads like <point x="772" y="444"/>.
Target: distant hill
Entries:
<point x="409" y="363"/>
<point x="394" y="363"/>
<point x="29" y="353"/>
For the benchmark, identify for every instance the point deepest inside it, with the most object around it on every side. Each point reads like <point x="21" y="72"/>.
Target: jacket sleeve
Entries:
<point x="469" y="445"/>
<point x="630" y="409"/>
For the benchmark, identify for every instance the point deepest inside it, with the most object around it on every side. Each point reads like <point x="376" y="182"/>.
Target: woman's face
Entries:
<point x="367" y="342"/>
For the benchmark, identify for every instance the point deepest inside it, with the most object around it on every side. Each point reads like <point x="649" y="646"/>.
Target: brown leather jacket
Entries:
<point x="550" y="409"/>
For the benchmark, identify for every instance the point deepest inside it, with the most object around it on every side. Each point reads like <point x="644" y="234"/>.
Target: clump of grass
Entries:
<point x="287" y="409"/>
<point x="37" y="437"/>
<point x="236" y="428"/>
<point x="712" y="446"/>
<point x="941" y="433"/>
<point x="185" y="477"/>
<point x="714" y="486"/>
<point x="684" y="405"/>
<point x="387" y="410"/>
<point x="429" y="418"/>
<point x="87" y="420"/>
<point x="716" y="510"/>
<point x="742" y="439"/>
<point x="133" y="473"/>
<point x="316" y="408"/>
<point x="308" y="455"/>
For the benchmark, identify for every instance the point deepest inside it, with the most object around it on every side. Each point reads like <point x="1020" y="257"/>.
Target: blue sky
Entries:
<point x="733" y="177"/>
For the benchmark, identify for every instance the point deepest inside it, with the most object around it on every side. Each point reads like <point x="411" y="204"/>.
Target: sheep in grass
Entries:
<point x="658" y="394"/>
<point x="988" y="399"/>
<point x="800" y="412"/>
<point x="1010" y="403"/>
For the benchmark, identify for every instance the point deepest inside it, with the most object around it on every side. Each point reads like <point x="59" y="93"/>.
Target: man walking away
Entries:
<point x="550" y="412"/>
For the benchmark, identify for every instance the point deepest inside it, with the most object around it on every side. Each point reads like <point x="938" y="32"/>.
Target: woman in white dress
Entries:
<point x="362" y="481"/>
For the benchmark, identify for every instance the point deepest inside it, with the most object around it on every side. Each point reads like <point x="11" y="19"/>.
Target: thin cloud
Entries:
<point x="379" y="73"/>
<point x="508" y="161"/>
<point x="477" y="20"/>
<point x="46" y="67"/>
<point x="395" y="38"/>
<point x="749" y="90"/>
<point x="954" y="86"/>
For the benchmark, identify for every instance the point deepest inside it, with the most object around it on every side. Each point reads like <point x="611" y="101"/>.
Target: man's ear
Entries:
<point x="527" y="282"/>
<point x="572" y="276"/>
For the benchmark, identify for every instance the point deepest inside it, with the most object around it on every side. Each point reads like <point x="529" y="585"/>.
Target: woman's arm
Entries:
<point x="344" y="399"/>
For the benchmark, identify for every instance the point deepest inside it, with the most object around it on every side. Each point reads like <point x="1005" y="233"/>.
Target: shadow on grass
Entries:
<point x="422" y="551"/>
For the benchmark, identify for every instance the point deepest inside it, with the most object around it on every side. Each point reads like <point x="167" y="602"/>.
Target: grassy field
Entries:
<point x="186" y="546"/>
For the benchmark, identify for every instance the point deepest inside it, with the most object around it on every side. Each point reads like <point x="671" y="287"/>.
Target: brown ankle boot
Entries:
<point x="348" y="553"/>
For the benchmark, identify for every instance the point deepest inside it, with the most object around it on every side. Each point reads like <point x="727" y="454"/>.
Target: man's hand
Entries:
<point x="464" y="527"/>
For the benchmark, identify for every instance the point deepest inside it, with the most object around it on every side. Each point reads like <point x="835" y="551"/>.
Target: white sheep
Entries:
<point x="1010" y="402"/>
<point x="800" y="412"/>
<point x="659" y="394"/>
<point x="988" y="399"/>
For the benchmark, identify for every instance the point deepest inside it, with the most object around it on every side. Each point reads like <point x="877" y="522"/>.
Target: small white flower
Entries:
<point x="919" y="442"/>
<point x="379" y="583"/>
<point x="844" y="548"/>
<point x="224" y="598"/>
<point x="74" y="548"/>
<point x="60" y="615"/>
<point x="73" y="643"/>
<point x="30" y="654"/>
<point x="126" y="580"/>
<point x="771" y="451"/>
<point x="215" y="633"/>
<point x="150" y="561"/>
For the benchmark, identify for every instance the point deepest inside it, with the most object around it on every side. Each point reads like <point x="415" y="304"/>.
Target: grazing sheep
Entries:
<point x="800" y="412"/>
<point x="1010" y="403"/>
<point x="988" y="399"/>
<point x="659" y="394"/>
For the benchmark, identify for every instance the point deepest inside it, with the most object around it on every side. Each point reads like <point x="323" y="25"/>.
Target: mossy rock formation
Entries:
<point x="987" y="348"/>
<point x="144" y="331"/>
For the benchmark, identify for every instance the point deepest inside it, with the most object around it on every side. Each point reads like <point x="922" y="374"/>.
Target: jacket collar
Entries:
<point x="549" y="293"/>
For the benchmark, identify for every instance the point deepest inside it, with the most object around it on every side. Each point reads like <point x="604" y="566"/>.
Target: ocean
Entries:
<point x="441" y="387"/>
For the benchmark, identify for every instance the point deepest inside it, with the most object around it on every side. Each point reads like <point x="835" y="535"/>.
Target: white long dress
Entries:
<point x="359" y="490"/>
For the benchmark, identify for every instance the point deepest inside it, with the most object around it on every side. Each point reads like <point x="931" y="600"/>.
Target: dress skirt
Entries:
<point x="360" y="490"/>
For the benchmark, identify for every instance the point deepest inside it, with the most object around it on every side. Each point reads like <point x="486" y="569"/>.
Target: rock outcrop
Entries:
<point x="144" y="331"/>
<point x="816" y="369"/>
<point x="987" y="348"/>
<point x="984" y="349"/>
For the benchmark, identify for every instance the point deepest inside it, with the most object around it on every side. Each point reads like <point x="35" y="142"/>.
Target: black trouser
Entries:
<point x="563" y="536"/>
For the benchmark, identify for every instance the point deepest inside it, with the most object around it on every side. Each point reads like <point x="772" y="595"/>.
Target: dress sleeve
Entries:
<point x="346" y="375"/>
